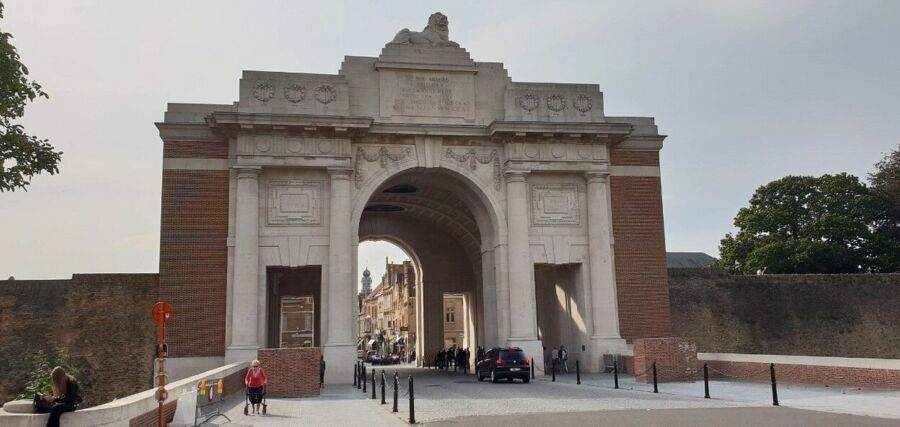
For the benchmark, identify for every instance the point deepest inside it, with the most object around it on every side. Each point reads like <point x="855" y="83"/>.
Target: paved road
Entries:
<point x="730" y="417"/>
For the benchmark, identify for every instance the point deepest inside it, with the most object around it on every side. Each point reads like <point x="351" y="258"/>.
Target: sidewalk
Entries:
<point x="338" y="405"/>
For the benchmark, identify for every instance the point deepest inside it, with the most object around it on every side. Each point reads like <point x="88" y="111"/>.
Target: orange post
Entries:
<point x="161" y="312"/>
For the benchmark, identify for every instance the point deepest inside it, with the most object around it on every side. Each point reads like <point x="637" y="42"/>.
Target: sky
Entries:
<point x="747" y="92"/>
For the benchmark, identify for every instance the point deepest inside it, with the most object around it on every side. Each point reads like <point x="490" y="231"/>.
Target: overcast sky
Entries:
<point x="746" y="91"/>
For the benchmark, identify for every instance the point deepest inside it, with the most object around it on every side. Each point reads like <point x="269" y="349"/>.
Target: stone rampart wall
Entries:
<point x="842" y="315"/>
<point x="101" y="320"/>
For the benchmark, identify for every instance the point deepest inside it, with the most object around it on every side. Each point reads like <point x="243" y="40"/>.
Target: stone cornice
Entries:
<point x="232" y="122"/>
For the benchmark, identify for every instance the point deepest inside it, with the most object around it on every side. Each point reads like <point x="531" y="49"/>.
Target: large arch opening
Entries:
<point x="441" y="219"/>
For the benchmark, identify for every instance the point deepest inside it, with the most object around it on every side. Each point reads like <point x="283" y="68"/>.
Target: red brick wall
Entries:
<point x="193" y="259"/>
<point x="292" y="372"/>
<point x="101" y="320"/>
<point x="676" y="359"/>
<point x="634" y="158"/>
<point x="151" y="419"/>
<point x="640" y="257"/>
<point x="195" y="149"/>
<point x="807" y="374"/>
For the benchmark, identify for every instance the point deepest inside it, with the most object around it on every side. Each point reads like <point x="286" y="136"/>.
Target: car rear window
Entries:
<point x="512" y="355"/>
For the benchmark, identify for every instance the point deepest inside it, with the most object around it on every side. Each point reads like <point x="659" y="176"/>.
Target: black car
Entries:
<point x="504" y="362"/>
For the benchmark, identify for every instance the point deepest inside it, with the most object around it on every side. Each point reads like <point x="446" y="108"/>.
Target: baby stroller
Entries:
<point x="255" y="396"/>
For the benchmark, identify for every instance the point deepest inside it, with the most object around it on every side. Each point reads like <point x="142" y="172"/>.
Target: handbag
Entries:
<point x="41" y="405"/>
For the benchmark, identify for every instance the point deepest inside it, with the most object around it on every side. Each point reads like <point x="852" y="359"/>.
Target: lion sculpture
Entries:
<point x="436" y="34"/>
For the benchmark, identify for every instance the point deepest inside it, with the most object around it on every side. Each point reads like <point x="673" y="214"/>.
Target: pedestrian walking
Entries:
<point x="321" y="371"/>
<point x="563" y="358"/>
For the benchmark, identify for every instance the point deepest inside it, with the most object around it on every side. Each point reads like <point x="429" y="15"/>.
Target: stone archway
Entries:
<point x="431" y="214"/>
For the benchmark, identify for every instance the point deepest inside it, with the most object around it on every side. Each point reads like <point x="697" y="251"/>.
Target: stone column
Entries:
<point x="522" y="314"/>
<point x="604" y="308"/>
<point x="244" y="316"/>
<point x="340" y="349"/>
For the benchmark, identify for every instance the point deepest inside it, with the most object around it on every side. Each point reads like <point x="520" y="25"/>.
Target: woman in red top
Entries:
<point x="255" y="380"/>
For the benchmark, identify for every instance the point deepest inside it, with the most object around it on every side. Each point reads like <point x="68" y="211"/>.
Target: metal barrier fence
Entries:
<point x="210" y="396"/>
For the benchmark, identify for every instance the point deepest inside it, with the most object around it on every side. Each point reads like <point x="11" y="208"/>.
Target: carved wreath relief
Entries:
<point x="264" y="92"/>
<point x="295" y="93"/>
<point x="556" y="102"/>
<point x="326" y="94"/>
<point x="529" y="102"/>
<point x="582" y="103"/>
<point x="555" y="204"/>
<point x="292" y="202"/>
<point x="383" y="155"/>
<point x="473" y="158"/>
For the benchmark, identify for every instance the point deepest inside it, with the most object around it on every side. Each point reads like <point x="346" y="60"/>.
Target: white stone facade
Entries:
<point x="506" y="175"/>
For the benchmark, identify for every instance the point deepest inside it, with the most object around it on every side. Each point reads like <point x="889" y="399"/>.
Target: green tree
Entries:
<point x="41" y="364"/>
<point x="885" y="185"/>
<point x="803" y="224"/>
<point x="21" y="155"/>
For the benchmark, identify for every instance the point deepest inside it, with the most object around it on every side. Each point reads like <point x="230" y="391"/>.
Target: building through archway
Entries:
<point x="525" y="198"/>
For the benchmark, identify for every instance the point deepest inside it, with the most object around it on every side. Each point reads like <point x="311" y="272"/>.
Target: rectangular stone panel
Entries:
<point x="292" y="202"/>
<point x="555" y="204"/>
<point x="427" y="94"/>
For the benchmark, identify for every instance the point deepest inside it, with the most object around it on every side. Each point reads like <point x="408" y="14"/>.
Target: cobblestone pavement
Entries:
<point x="730" y="417"/>
<point x="446" y="395"/>
<point x="338" y="405"/>
<point x="443" y="398"/>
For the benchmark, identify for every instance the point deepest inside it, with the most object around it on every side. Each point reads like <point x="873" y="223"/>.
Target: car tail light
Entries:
<point x="500" y="362"/>
<point x="525" y="362"/>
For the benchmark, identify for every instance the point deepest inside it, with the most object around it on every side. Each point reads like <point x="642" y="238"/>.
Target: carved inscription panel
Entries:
<point x="294" y="202"/>
<point x="427" y="94"/>
<point x="555" y="204"/>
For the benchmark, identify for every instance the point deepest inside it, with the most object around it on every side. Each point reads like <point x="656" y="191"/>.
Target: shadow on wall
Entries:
<point x="842" y="315"/>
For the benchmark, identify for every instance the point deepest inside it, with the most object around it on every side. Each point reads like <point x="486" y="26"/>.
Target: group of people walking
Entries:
<point x="558" y="358"/>
<point x="453" y="358"/>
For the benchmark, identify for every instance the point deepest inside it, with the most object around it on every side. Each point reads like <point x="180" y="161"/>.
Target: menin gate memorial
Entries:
<point x="526" y="198"/>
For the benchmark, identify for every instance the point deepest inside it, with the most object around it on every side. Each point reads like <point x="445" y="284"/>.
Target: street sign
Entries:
<point x="162" y="312"/>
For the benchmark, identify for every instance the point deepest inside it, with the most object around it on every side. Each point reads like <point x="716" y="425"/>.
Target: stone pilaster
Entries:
<point x="522" y="314"/>
<point x="244" y="302"/>
<point x="605" y="336"/>
<point x="340" y="349"/>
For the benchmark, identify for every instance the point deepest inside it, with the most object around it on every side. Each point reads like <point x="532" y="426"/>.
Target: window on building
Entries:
<point x="451" y="315"/>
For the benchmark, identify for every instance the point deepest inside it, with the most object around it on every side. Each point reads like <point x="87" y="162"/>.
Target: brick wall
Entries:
<point x="675" y="357"/>
<point x="640" y="256"/>
<point x="634" y="157"/>
<point x="193" y="259"/>
<point x="842" y="315"/>
<point x="807" y="374"/>
<point x="292" y="372"/>
<point x="101" y="320"/>
<point x="195" y="149"/>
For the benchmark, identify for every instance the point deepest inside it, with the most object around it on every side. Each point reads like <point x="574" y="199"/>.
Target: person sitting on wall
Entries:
<point x="64" y="397"/>
<point x="255" y="380"/>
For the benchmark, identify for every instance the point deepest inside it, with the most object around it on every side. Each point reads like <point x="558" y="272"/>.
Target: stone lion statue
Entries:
<point x="436" y="34"/>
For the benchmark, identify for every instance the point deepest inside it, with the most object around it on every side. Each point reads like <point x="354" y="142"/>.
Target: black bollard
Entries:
<point x="616" y="373"/>
<point x="362" y="378"/>
<point x="578" y="371"/>
<point x="373" y="383"/>
<point x="774" y="387"/>
<point x="396" y="390"/>
<point x="383" y="401"/>
<point x="655" y="388"/>
<point x="532" y="368"/>
<point x="554" y="370"/>
<point x="412" y="402"/>
<point x="355" y="373"/>
<point x="706" y="380"/>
